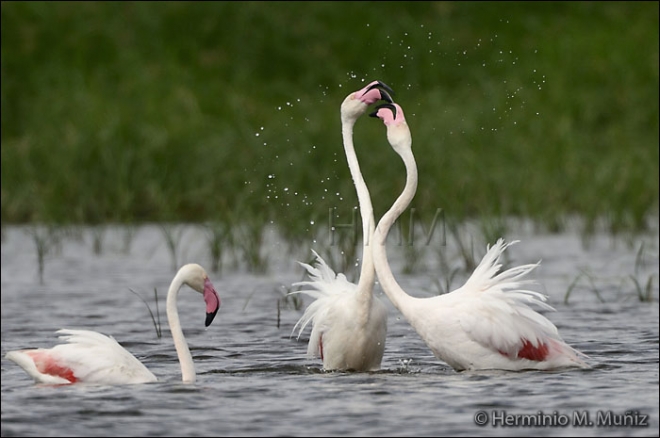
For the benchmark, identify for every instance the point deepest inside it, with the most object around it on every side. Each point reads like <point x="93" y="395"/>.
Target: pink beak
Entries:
<point x="212" y="301"/>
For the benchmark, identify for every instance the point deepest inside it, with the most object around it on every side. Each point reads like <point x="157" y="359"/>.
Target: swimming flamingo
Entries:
<point x="349" y="324"/>
<point x="91" y="357"/>
<point x="488" y="322"/>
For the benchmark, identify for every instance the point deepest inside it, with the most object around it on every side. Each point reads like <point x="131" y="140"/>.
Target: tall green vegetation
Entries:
<point x="228" y="112"/>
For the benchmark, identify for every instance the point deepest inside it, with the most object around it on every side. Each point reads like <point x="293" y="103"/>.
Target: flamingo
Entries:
<point x="91" y="357"/>
<point x="488" y="323"/>
<point x="349" y="323"/>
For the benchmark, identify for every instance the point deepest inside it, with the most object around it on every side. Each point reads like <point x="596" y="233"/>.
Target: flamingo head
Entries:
<point x="198" y="280"/>
<point x="357" y="102"/>
<point x="398" y="132"/>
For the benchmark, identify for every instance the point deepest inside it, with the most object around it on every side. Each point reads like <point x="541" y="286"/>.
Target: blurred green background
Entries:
<point x="123" y="112"/>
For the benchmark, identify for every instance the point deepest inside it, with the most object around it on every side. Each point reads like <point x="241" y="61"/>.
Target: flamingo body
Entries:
<point x="349" y="323"/>
<point x="91" y="357"/>
<point x="488" y="323"/>
<point x="87" y="356"/>
<point x="345" y="336"/>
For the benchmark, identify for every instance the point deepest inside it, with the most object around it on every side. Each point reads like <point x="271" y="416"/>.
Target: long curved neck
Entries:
<point x="387" y="281"/>
<point x="188" y="374"/>
<point x="367" y="273"/>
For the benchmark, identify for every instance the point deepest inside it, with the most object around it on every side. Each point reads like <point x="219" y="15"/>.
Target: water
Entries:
<point x="254" y="378"/>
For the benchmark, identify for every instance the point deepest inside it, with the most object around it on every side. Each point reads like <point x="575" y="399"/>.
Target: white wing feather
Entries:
<point x="324" y="286"/>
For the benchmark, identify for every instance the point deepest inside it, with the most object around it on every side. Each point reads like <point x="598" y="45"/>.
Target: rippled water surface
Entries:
<point x="254" y="378"/>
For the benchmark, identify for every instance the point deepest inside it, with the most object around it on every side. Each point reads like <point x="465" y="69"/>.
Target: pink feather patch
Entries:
<point x="529" y="351"/>
<point x="47" y="365"/>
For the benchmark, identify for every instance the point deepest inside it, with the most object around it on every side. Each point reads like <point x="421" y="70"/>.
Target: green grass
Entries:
<point x="636" y="285"/>
<point x="228" y="112"/>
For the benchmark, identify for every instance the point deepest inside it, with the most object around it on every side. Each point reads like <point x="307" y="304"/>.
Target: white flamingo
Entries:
<point x="349" y="323"/>
<point x="488" y="322"/>
<point x="92" y="357"/>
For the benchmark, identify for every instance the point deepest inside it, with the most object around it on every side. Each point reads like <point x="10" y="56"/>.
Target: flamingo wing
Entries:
<point x="327" y="288"/>
<point x="497" y="312"/>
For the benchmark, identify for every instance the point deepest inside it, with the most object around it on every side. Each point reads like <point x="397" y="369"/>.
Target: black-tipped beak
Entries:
<point x="389" y="105"/>
<point x="385" y="96"/>
<point x="212" y="301"/>
<point x="210" y="317"/>
<point x="385" y="91"/>
<point x="382" y="85"/>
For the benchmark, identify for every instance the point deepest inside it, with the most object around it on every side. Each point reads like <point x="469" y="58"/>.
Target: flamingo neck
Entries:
<point x="367" y="272"/>
<point x="394" y="292"/>
<point x="188" y="374"/>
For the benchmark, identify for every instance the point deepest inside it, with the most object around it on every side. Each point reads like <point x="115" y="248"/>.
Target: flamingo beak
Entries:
<point x="385" y="96"/>
<point x="389" y="105"/>
<point x="384" y="90"/>
<point x="212" y="302"/>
